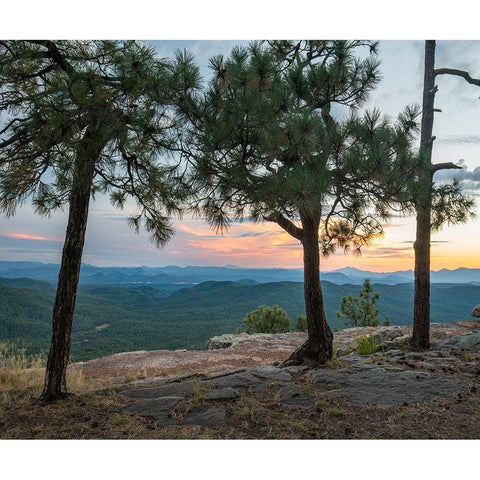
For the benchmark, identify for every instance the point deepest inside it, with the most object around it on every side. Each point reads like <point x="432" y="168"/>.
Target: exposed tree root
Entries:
<point x="310" y="352"/>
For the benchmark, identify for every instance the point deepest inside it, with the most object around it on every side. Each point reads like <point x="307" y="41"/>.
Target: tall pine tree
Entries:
<point x="279" y="141"/>
<point x="86" y="117"/>
<point x="434" y="205"/>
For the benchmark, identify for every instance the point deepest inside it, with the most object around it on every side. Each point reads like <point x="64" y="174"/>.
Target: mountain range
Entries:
<point x="172" y="278"/>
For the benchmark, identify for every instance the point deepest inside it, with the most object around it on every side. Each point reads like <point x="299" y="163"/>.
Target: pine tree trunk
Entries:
<point x="319" y="345"/>
<point x="84" y="170"/>
<point x="423" y="207"/>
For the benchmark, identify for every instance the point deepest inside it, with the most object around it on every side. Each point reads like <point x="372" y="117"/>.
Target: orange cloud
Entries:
<point x="24" y="236"/>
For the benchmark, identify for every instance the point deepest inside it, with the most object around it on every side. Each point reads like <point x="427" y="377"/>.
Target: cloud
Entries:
<point x="455" y="139"/>
<point x="390" y="252"/>
<point x="251" y="234"/>
<point x="257" y="234"/>
<point x="115" y="218"/>
<point x="31" y="237"/>
<point x="432" y="241"/>
<point x="470" y="178"/>
<point x="393" y="225"/>
<point x="459" y="54"/>
<point x="24" y="236"/>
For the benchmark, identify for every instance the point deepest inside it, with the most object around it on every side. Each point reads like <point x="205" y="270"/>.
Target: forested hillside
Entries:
<point x="113" y="319"/>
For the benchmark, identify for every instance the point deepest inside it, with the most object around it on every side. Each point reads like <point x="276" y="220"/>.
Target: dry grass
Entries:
<point x="22" y="376"/>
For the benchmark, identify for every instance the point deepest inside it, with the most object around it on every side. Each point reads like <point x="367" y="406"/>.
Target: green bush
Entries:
<point x="366" y="345"/>
<point x="301" y="324"/>
<point x="267" y="320"/>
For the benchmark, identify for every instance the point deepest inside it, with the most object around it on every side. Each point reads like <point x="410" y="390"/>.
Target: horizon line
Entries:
<point x="233" y="266"/>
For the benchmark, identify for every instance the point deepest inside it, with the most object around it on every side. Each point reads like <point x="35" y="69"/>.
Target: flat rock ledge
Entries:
<point x="245" y="351"/>
<point x="387" y="378"/>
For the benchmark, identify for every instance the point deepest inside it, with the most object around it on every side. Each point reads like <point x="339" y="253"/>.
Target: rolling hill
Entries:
<point x="110" y="319"/>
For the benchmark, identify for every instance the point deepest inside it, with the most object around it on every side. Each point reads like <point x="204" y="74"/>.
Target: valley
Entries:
<point x="120" y="317"/>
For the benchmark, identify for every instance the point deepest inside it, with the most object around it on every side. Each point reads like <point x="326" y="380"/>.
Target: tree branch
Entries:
<point x="458" y="73"/>
<point x="55" y="55"/>
<point x="445" y="166"/>
<point x="286" y="224"/>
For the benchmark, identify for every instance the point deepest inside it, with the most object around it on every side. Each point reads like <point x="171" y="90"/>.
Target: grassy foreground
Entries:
<point x="95" y="411"/>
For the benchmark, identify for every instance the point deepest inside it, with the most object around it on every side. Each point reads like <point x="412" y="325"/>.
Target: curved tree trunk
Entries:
<point x="423" y="207"/>
<point x="319" y="345"/>
<point x="84" y="170"/>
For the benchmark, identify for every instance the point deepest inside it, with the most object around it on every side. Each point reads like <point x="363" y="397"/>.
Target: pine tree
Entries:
<point x="271" y="146"/>
<point x="87" y="117"/>
<point x="361" y="311"/>
<point x="434" y="205"/>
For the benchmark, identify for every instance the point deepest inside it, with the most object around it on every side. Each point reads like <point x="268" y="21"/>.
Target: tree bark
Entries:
<point x="423" y="207"/>
<point x="319" y="345"/>
<point x="84" y="170"/>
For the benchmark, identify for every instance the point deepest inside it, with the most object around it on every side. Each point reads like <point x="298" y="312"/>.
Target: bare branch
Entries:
<point x="445" y="166"/>
<point x="286" y="224"/>
<point x="458" y="73"/>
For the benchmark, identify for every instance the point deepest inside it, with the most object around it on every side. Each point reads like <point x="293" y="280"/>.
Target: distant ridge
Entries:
<point x="174" y="277"/>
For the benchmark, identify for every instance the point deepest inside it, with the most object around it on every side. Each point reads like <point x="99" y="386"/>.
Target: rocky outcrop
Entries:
<point x="231" y="339"/>
<point x="476" y="311"/>
<point x="469" y="341"/>
<point x="225" y="341"/>
<point x="245" y="351"/>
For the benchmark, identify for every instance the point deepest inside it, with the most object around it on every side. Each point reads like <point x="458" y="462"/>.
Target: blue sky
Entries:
<point x="111" y="242"/>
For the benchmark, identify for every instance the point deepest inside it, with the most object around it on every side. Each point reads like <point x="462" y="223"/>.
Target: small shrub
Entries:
<point x="267" y="320"/>
<point x="301" y="324"/>
<point x="336" y="412"/>
<point x="366" y="344"/>
<point x="335" y="363"/>
<point x="323" y="404"/>
<point x="467" y="356"/>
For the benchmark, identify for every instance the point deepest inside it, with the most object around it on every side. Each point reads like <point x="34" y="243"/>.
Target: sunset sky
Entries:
<point x="111" y="242"/>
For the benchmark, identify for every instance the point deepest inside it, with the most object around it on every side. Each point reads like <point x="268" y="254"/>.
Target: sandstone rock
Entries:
<point x="206" y="416"/>
<point x="467" y="341"/>
<point x="238" y="380"/>
<point x="272" y="373"/>
<point x="296" y="368"/>
<point x="401" y="340"/>
<point x="366" y="384"/>
<point x="386" y="334"/>
<point x="225" y="341"/>
<point x="476" y="311"/>
<point x="227" y="393"/>
<point x="395" y="353"/>
<point x="159" y="408"/>
<point x="181" y="388"/>
<point x="155" y="381"/>
<point x="255" y="339"/>
<point x="295" y="396"/>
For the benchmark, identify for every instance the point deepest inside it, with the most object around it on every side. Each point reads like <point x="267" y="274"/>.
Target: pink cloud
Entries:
<point x="26" y="236"/>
